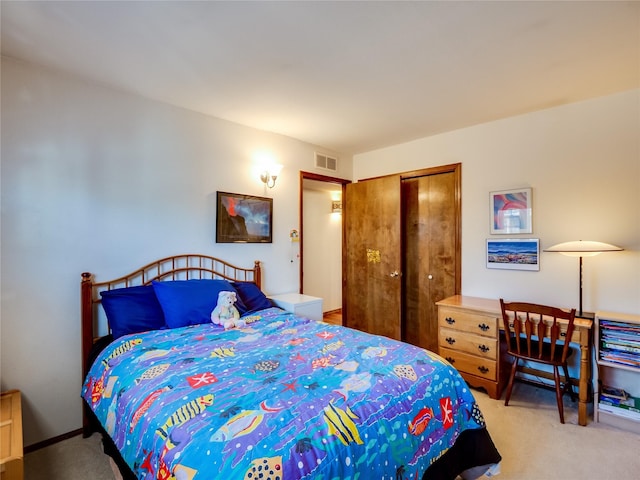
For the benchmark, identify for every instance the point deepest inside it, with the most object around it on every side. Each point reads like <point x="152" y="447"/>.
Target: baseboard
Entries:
<point x="51" y="441"/>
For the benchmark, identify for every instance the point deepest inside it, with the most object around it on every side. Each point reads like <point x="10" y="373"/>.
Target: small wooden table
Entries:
<point x="581" y="335"/>
<point x="11" y="464"/>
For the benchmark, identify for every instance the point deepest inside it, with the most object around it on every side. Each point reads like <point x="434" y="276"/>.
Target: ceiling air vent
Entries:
<point x="326" y="163"/>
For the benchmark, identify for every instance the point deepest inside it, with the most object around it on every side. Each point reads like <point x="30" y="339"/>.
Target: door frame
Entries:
<point x="319" y="178"/>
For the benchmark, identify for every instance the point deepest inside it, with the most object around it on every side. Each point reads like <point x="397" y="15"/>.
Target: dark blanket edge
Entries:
<point x="473" y="448"/>
<point x="109" y="447"/>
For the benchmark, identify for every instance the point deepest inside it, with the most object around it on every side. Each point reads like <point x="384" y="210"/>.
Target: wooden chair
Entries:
<point x="536" y="337"/>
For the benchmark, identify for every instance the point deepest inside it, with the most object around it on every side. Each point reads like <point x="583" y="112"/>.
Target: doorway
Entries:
<point x="321" y="238"/>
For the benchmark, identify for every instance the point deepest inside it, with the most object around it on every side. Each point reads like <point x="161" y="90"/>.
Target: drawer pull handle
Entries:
<point x="450" y="360"/>
<point x="483" y="369"/>
<point x="483" y="348"/>
<point x="450" y="340"/>
<point x="483" y="326"/>
<point x="450" y="320"/>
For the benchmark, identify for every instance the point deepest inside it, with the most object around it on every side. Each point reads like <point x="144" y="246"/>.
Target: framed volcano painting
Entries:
<point x="243" y="218"/>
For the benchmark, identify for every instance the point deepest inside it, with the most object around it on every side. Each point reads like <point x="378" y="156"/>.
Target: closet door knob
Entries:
<point x="394" y="274"/>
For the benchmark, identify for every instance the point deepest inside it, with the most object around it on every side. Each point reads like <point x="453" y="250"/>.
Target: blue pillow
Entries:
<point x="190" y="302"/>
<point x="132" y="310"/>
<point x="252" y="297"/>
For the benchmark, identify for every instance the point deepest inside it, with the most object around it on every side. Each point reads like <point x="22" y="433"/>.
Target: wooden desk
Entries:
<point x="489" y="311"/>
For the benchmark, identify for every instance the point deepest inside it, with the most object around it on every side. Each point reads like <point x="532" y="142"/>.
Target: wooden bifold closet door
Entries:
<point x="402" y="252"/>
<point x="372" y="296"/>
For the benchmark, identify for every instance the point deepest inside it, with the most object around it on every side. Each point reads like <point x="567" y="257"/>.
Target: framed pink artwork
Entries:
<point x="511" y="211"/>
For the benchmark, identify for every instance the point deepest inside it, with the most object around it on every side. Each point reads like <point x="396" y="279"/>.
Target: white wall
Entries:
<point x="322" y="249"/>
<point x="101" y="181"/>
<point x="583" y="163"/>
<point x="97" y="180"/>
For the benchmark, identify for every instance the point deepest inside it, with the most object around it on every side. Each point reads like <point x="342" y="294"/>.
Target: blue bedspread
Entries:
<point x="285" y="397"/>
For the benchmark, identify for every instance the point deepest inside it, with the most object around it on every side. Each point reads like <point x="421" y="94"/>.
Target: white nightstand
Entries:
<point x="301" y="305"/>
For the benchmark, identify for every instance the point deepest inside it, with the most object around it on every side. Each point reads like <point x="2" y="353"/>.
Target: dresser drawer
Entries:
<point x="472" y="364"/>
<point x="468" y="322"/>
<point x="11" y="454"/>
<point x="469" y="343"/>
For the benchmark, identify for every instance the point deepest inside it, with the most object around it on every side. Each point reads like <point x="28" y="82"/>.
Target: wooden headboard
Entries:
<point x="177" y="267"/>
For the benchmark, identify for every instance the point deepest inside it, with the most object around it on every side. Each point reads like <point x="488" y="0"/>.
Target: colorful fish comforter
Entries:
<point x="283" y="398"/>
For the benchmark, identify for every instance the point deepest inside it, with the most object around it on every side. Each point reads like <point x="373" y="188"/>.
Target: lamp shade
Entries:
<point x="582" y="248"/>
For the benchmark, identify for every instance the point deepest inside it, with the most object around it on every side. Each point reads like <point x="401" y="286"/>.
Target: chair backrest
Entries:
<point x="534" y="324"/>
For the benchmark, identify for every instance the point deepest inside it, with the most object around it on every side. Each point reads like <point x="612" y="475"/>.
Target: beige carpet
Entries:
<point x="532" y="442"/>
<point x="535" y="446"/>
<point x="73" y="459"/>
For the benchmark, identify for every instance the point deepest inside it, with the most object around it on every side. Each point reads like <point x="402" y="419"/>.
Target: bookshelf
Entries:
<point x="617" y="376"/>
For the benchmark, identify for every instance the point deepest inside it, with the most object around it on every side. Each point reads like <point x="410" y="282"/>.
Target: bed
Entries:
<point x="282" y="397"/>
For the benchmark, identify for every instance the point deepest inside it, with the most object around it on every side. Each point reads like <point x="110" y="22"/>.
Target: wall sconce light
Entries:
<point x="270" y="175"/>
<point x="336" y="206"/>
<point x="581" y="249"/>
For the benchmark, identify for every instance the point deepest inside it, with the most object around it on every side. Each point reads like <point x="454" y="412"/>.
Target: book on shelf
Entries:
<point x="623" y="336"/>
<point x="619" y="410"/>
<point x="620" y="346"/>
<point x="620" y="357"/>
<point x="613" y="392"/>
<point x="619" y="325"/>
<point x="632" y="404"/>
<point x="617" y="397"/>
<point x="621" y="362"/>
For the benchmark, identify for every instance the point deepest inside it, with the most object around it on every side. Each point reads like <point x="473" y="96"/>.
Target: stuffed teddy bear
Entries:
<point x="225" y="313"/>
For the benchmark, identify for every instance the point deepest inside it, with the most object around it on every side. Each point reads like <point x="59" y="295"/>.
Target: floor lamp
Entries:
<point x="581" y="249"/>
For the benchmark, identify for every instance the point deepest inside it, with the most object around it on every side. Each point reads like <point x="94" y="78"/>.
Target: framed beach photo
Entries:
<point x="513" y="253"/>
<point x="511" y="211"/>
<point x="243" y="218"/>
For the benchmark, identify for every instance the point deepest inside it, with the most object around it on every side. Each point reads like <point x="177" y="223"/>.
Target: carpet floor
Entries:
<point x="528" y="434"/>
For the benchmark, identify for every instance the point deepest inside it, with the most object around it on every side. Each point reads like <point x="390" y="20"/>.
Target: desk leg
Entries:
<point x="583" y="389"/>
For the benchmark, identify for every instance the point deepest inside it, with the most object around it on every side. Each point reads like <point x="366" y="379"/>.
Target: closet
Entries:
<point x="402" y="252"/>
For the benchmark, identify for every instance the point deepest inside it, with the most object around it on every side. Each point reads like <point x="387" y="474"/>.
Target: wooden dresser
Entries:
<point x="468" y="337"/>
<point x="11" y="466"/>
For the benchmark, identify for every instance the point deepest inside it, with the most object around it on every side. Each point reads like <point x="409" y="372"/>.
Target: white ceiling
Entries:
<point x="347" y="76"/>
